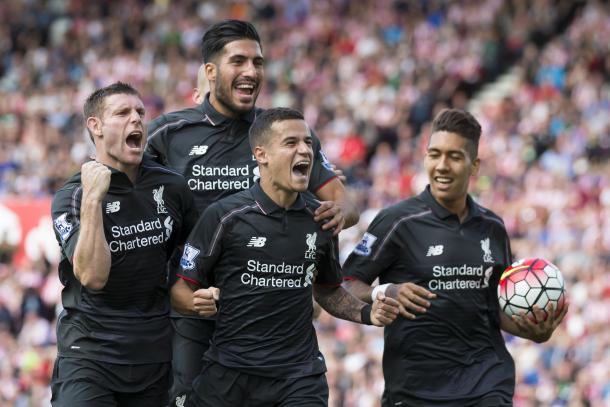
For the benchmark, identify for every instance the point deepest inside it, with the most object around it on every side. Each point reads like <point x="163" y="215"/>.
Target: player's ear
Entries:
<point x="197" y="96"/>
<point x="476" y="165"/>
<point x="94" y="124"/>
<point x="260" y="155"/>
<point x="211" y="71"/>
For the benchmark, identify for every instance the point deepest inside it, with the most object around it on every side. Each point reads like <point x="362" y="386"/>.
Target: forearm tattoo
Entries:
<point x="338" y="302"/>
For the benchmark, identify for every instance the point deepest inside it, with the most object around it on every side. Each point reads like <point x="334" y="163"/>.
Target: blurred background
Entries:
<point x="369" y="76"/>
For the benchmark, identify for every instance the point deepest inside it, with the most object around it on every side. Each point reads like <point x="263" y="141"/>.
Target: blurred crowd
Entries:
<point x="369" y="76"/>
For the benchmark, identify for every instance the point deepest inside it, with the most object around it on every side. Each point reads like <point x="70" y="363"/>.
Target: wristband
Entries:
<point x="379" y="288"/>
<point x="365" y="314"/>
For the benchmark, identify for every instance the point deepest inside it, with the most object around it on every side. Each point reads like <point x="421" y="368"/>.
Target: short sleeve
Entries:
<point x="375" y="252"/>
<point x="202" y="248"/>
<point x="329" y="272"/>
<point x="65" y="211"/>
<point x="156" y="145"/>
<point x="321" y="172"/>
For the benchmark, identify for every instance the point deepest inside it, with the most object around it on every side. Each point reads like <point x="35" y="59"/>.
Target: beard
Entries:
<point x="223" y="92"/>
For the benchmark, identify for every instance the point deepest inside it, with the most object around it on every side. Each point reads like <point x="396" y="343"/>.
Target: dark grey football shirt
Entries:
<point x="265" y="260"/>
<point x="454" y="353"/>
<point x="127" y="322"/>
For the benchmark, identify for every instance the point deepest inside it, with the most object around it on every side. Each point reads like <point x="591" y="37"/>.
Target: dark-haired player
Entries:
<point x="261" y="254"/>
<point x="208" y="144"/>
<point x="440" y="254"/>
<point x="117" y="222"/>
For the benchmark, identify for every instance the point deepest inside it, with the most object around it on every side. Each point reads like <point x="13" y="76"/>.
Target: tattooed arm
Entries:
<point x="341" y="304"/>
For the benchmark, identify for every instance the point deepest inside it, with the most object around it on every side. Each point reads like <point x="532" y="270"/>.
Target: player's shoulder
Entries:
<point x="311" y="201"/>
<point x="405" y="208"/>
<point x="174" y="120"/>
<point x="232" y="205"/>
<point x="72" y="184"/>
<point x="168" y="174"/>
<point x="488" y="215"/>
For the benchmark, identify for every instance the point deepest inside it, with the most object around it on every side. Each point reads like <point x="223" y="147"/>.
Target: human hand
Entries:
<point x="204" y="301"/>
<point x="412" y="298"/>
<point x="384" y="310"/>
<point x="333" y="212"/>
<point x="95" y="179"/>
<point x="540" y="329"/>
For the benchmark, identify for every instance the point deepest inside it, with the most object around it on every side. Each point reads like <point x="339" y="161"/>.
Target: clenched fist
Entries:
<point x="204" y="301"/>
<point x="95" y="178"/>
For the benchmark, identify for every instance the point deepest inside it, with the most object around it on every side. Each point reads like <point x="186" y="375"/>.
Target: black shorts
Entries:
<point x="486" y="401"/>
<point x="191" y="340"/>
<point x="218" y="386"/>
<point x="91" y="383"/>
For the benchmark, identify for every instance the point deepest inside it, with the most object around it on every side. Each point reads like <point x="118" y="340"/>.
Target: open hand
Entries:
<point x="412" y="298"/>
<point x="540" y="329"/>
<point x="333" y="212"/>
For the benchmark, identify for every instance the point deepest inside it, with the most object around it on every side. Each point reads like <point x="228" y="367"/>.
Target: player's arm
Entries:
<point x="412" y="298"/>
<point x="335" y="207"/>
<point x="187" y="299"/>
<point x="539" y="330"/>
<point x="341" y="304"/>
<point x="156" y="144"/>
<point x="92" y="257"/>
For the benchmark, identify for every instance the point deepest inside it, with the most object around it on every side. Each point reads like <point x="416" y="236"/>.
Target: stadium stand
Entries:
<point x="369" y="75"/>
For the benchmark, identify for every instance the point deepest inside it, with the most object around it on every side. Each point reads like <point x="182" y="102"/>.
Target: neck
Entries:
<point x="221" y="108"/>
<point x="458" y="208"/>
<point x="283" y="198"/>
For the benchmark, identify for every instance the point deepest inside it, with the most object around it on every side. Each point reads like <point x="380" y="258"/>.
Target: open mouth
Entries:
<point x="301" y="168"/>
<point x="134" y="139"/>
<point x="246" y="88"/>
<point x="443" y="180"/>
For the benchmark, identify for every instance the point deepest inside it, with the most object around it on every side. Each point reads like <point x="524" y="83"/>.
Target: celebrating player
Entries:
<point x="261" y="253"/>
<point x="117" y="222"/>
<point x="440" y="254"/>
<point x="208" y="144"/>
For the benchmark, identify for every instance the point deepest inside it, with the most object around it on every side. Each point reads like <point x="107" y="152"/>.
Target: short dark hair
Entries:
<point x="259" y="131"/>
<point x="224" y="32"/>
<point x="460" y="122"/>
<point x="94" y="105"/>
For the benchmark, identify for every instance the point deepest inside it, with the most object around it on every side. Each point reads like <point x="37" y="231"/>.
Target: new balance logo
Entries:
<point x="435" y="250"/>
<point x="199" y="150"/>
<point x="113" y="207"/>
<point x="257" y="242"/>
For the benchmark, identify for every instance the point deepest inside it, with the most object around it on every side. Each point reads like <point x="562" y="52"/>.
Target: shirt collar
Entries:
<point x="268" y="206"/>
<point x="440" y="211"/>
<point x="216" y="118"/>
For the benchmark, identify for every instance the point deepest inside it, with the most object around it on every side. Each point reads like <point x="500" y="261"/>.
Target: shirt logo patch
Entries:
<point x="435" y="250"/>
<point x="257" y="241"/>
<point x="485" y="246"/>
<point x="310" y="239"/>
<point x="199" y="150"/>
<point x="364" y="247"/>
<point x="113" y="207"/>
<point x="310" y="275"/>
<point x="63" y="226"/>
<point x="325" y="161"/>
<point x="158" y="197"/>
<point x="189" y="255"/>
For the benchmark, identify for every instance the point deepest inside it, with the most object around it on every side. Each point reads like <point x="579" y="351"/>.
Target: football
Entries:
<point x="530" y="282"/>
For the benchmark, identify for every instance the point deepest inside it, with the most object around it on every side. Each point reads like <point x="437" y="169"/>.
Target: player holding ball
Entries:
<point x="441" y="255"/>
